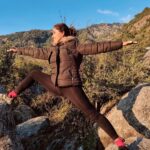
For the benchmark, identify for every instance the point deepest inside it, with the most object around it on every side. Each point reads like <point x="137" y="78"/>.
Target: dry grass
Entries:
<point x="59" y="114"/>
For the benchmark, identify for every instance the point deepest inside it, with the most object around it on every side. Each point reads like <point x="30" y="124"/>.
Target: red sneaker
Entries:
<point x="120" y="142"/>
<point x="12" y="94"/>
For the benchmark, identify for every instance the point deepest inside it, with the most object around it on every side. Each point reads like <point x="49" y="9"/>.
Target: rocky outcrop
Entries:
<point x="140" y="23"/>
<point x="131" y="116"/>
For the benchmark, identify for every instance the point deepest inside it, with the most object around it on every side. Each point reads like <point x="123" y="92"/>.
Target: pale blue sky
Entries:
<point x="24" y="15"/>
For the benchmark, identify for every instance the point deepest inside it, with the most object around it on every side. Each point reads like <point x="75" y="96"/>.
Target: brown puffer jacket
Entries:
<point x="66" y="57"/>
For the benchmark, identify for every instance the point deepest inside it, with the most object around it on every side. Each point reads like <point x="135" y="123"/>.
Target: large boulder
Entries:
<point x="131" y="116"/>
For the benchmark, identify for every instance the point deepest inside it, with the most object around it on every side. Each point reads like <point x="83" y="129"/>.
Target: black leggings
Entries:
<point x="74" y="93"/>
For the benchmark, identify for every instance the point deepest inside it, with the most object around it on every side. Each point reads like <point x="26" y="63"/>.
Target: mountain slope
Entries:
<point x="139" y="28"/>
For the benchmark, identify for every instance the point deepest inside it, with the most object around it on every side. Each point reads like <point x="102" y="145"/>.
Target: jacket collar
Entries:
<point x="65" y="40"/>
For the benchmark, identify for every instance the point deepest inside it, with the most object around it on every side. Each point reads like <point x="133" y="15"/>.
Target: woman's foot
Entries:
<point x="12" y="94"/>
<point x="120" y="142"/>
<point x="8" y="98"/>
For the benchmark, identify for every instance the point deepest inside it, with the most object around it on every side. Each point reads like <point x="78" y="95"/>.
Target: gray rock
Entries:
<point x="32" y="127"/>
<point x="23" y="113"/>
<point x="135" y="107"/>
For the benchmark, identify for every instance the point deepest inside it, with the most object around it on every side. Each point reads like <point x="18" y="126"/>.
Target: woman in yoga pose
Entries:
<point x="65" y="56"/>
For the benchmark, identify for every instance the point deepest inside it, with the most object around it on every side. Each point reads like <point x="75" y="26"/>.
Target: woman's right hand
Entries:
<point x="14" y="50"/>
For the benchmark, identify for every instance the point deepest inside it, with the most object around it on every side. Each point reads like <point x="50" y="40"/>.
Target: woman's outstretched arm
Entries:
<point x="102" y="47"/>
<point x="39" y="53"/>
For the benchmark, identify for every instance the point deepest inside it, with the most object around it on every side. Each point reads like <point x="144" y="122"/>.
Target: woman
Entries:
<point x="65" y="56"/>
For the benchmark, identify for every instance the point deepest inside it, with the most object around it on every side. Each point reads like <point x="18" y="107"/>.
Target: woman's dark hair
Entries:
<point x="62" y="27"/>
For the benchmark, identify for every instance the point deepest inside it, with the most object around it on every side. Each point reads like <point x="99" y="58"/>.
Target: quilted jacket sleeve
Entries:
<point x="39" y="53"/>
<point x="99" y="47"/>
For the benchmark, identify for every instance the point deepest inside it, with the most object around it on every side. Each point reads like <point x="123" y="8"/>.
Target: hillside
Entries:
<point x="100" y="32"/>
<point x="139" y="28"/>
<point x="39" y="38"/>
<point x="30" y="38"/>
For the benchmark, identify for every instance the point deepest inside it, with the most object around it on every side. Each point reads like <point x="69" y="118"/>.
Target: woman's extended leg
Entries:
<point x="77" y="96"/>
<point x="40" y="77"/>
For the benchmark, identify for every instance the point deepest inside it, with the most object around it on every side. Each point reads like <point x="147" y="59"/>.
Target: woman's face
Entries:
<point x="56" y="36"/>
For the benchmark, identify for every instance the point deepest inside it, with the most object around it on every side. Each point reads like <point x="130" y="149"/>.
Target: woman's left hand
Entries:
<point x="129" y="43"/>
